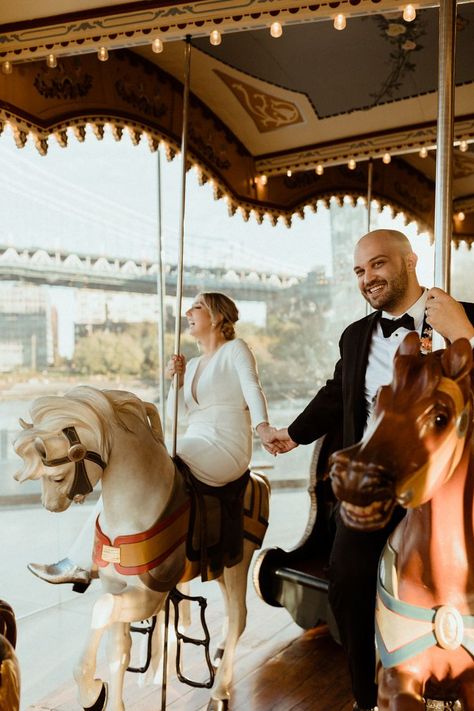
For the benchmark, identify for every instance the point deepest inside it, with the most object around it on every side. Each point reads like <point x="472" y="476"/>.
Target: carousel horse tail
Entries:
<point x="9" y="667"/>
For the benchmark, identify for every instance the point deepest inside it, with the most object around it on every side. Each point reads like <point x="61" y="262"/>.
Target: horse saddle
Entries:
<point x="216" y="525"/>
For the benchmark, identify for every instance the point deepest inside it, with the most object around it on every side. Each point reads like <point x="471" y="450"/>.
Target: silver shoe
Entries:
<point x="64" y="571"/>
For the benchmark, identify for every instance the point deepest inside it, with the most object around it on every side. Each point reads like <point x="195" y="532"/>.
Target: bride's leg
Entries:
<point x="76" y="567"/>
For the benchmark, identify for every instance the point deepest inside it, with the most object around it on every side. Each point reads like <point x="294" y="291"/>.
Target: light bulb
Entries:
<point x="423" y="152"/>
<point x="340" y="22"/>
<point x="263" y="180"/>
<point x="157" y="45"/>
<point x="409" y="13"/>
<point x="215" y="38"/>
<point x="319" y="169"/>
<point x="352" y="164"/>
<point x="461" y="216"/>
<point x="51" y="61"/>
<point x="103" y="54"/>
<point x="276" y="30"/>
<point x="463" y="146"/>
<point x="289" y="173"/>
<point x="7" y="67"/>
<point x="386" y="158"/>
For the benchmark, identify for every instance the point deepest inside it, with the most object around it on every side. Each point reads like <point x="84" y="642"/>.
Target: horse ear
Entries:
<point x="410" y="345"/>
<point x="457" y="360"/>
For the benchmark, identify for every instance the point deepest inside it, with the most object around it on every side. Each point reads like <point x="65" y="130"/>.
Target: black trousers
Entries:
<point x="352" y="587"/>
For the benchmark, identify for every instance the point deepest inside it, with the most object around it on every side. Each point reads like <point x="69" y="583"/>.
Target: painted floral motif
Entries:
<point x="404" y="38"/>
<point x="394" y="29"/>
<point x="66" y="81"/>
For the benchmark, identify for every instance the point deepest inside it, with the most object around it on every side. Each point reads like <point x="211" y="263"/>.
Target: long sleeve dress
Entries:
<point x="229" y="399"/>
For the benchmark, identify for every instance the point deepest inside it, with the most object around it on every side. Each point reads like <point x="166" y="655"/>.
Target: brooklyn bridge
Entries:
<point x="60" y="268"/>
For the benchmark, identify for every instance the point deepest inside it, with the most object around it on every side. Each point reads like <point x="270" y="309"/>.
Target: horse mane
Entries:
<point x="84" y="407"/>
<point x="416" y="376"/>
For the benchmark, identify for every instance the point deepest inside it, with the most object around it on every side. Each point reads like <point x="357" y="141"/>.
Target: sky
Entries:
<point x="101" y="197"/>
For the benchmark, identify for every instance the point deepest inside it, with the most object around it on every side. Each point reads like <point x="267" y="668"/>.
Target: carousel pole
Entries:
<point x="444" y="150"/>
<point x="179" y="283"/>
<point x="370" y="178"/>
<point x="161" y="292"/>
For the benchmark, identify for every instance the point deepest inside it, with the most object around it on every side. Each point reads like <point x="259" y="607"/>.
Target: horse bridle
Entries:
<point x="77" y="453"/>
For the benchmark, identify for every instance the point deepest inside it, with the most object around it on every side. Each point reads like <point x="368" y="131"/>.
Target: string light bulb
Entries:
<point x="319" y="169"/>
<point x="461" y="216"/>
<point x="215" y="38"/>
<point x="409" y="13"/>
<point x="463" y="145"/>
<point x="7" y="67"/>
<point x="386" y="158"/>
<point x="340" y="22"/>
<point x="276" y="30"/>
<point x="289" y="173"/>
<point x="352" y="164"/>
<point x="423" y="152"/>
<point x="51" y="61"/>
<point x="103" y="54"/>
<point x="157" y="45"/>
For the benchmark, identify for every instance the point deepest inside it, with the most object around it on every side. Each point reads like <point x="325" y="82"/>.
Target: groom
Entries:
<point x="385" y="268"/>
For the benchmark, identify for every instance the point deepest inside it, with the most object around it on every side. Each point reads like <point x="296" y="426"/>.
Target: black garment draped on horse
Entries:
<point x="216" y="527"/>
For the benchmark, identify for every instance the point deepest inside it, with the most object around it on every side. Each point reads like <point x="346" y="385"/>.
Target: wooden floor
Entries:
<point x="278" y="667"/>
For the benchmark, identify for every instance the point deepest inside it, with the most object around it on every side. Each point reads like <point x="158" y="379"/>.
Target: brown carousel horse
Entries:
<point x="418" y="452"/>
<point x="141" y="542"/>
<point x="9" y="669"/>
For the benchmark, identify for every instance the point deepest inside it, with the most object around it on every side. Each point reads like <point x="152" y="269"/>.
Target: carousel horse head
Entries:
<point x="421" y="425"/>
<point x="9" y="668"/>
<point x="68" y="442"/>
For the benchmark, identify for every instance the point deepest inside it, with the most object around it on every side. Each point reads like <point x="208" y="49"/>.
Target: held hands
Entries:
<point x="176" y="364"/>
<point x="447" y="316"/>
<point x="275" y="441"/>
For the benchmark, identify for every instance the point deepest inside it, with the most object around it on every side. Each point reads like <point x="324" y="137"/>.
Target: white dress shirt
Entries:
<point x="382" y="350"/>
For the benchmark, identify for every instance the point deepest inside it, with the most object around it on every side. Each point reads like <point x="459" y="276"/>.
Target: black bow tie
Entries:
<point x="390" y="325"/>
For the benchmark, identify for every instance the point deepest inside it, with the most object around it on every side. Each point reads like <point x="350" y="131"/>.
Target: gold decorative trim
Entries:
<point x="172" y="22"/>
<point x="268" y="111"/>
<point x="362" y="148"/>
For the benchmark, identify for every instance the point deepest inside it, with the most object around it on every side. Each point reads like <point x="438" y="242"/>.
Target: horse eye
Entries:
<point x="440" y="421"/>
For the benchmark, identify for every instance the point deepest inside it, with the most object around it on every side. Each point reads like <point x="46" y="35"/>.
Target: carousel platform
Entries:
<point x="278" y="667"/>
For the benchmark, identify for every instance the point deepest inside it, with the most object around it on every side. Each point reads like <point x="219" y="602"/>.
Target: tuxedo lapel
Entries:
<point x="360" y="346"/>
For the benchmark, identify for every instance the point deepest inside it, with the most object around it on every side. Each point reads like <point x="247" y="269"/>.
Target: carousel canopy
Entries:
<point x="285" y="109"/>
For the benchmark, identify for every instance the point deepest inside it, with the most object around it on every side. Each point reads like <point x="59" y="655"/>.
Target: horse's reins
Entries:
<point x="77" y="453"/>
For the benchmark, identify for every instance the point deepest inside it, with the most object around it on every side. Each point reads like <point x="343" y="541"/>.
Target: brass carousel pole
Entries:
<point x="370" y="177"/>
<point x="179" y="283"/>
<point x="177" y="332"/>
<point x="161" y="292"/>
<point x="444" y="150"/>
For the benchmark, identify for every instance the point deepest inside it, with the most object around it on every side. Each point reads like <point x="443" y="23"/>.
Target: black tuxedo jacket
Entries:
<point x="339" y="407"/>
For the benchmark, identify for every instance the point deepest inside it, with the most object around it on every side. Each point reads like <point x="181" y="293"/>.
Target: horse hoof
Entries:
<point x="218" y="705"/>
<point x="218" y="657"/>
<point x="101" y="701"/>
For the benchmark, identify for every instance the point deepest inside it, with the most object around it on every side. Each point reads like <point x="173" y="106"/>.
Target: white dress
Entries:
<point x="217" y="444"/>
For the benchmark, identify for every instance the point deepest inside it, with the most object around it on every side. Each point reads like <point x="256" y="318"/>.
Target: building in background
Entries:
<point x="28" y="331"/>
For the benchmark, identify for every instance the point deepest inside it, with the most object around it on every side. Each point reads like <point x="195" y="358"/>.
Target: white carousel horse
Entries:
<point x="88" y="435"/>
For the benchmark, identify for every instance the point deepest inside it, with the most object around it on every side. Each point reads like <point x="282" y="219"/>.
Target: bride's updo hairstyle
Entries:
<point x="223" y="312"/>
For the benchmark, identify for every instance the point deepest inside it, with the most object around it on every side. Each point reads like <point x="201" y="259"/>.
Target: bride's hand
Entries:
<point x="176" y="364"/>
